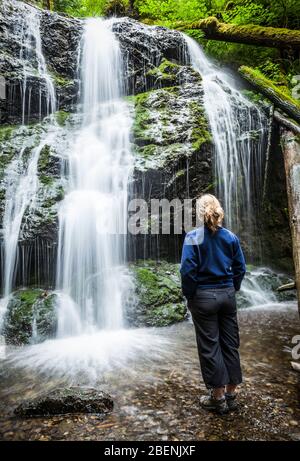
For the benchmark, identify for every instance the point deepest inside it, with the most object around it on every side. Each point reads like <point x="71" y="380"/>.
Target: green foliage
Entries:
<point x="276" y="13"/>
<point x="277" y="66"/>
<point x="67" y="6"/>
<point x="282" y="91"/>
<point x="171" y="10"/>
<point x="273" y="71"/>
<point x="115" y="8"/>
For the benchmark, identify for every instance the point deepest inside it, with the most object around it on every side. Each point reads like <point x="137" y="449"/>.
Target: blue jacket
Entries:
<point x="211" y="260"/>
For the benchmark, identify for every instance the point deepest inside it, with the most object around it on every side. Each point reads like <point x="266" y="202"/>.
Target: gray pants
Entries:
<point x="215" y="318"/>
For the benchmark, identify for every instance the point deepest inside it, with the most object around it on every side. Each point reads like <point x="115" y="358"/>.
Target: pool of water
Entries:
<point x="154" y="379"/>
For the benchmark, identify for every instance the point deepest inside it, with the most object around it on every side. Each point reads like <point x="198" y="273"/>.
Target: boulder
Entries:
<point x="144" y="48"/>
<point x="157" y="299"/>
<point x="173" y="151"/>
<point x="30" y="317"/>
<point x="67" y="400"/>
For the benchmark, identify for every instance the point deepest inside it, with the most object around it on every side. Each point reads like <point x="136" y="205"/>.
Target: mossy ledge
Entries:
<point x="169" y="123"/>
<point x="279" y="95"/>
<point x="159" y="300"/>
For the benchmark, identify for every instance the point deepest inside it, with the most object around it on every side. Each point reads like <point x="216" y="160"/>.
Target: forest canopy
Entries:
<point x="276" y="13"/>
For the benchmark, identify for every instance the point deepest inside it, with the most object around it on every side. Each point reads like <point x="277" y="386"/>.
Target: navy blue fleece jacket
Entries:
<point x="211" y="261"/>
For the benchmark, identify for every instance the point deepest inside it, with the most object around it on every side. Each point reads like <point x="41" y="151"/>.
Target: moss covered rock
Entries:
<point x="169" y="124"/>
<point x="30" y="317"/>
<point x="158" y="298"/>
<point x="67" y="400"/>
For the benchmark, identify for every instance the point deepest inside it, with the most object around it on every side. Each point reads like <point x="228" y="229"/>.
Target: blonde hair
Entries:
<point x="210" y="211"/>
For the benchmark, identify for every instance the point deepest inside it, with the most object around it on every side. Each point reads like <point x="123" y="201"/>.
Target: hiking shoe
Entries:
<point x="231" y="401"/>
<point x="208" y="402"/>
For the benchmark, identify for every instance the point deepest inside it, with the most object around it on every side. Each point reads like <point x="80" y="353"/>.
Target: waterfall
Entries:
<point x="21" y="175"/>
<point x="27" y="33"/>
<point x="93" y="215"/>
<point x="238" y="129"/>
<point x="20" y="194"/>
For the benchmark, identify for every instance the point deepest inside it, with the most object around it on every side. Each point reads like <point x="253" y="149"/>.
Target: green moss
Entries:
<point x="61" y="117"/>
<point x="29" y="296"/>
<point x="167" y="314"/>
<point x="44" y="158"/>
<point x="158" y="289"/>
<point x="253" y="96"/>
<point x="210" y="187"/>
<point x="166" y="72"/>
<point x="6" y="132"/>
<point x="59" y="80"/>
<point x="200" y="132"/>
<point x="180" y="173"/>
<point x="281" y="91"/>
<point x="25" y="306"/>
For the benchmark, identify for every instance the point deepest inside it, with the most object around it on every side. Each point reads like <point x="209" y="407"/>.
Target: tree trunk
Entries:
<point x="265" y="86"/>
<point x="48" y="4"/>
<point x="274" y="37"/>
<point x="291" y="154"/>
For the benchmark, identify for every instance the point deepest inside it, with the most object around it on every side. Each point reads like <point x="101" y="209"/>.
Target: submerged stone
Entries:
<point x="67" y="400"/>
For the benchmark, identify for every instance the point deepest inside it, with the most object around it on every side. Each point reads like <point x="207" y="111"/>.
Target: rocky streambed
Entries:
<point x="158" y="399"/>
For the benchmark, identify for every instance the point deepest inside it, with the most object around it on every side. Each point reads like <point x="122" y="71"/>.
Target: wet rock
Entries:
<point x="67" y="400"/>
<point x="60" y="37"/>
<point x="260" y="287"/>
<point x="159" y="300"/>
<point x="173" y="152"/>
<point x="19" y="146"/>
<point x="30" y="317"/>
<point x="145" y="48"/>
<point x="169" y="124"/>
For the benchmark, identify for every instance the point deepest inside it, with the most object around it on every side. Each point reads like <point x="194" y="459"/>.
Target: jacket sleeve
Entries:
<point x="238" y="264"/>
<point x="189" y="269"/>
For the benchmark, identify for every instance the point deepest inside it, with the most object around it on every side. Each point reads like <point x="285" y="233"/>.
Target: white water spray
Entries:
<point x="34" y="65"/>
<point x="233" y="121"/>
<point x="21" y="175"/>
<point x="93" y="215"/>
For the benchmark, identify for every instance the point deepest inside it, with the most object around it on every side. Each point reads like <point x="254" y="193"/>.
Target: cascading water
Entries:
<point x="91" y="280"/>
<point x="21" y="176"/>
<point x="239" y="134"/>
<point x="235" y="123"/>
<point x="28" y="34"/>
<point x="93" y="215"/>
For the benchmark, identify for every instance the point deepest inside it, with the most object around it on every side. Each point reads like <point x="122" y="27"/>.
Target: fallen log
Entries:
<point x="281" y="120"/>
<point x="287" y="286"/>
<point x="250" y="34"/>
<point x="266" y="87"/>
<point x="291" y="154"/>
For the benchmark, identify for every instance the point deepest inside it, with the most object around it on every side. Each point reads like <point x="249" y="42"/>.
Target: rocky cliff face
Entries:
<point x="25" y="33"/>
<point x="170" y="136"/>
<point x="170" y="130"/>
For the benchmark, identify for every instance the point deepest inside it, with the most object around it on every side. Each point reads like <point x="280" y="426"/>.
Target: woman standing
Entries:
<point x="212" y="269"/>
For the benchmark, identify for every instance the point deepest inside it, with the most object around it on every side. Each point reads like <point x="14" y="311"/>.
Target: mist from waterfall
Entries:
<point x="238" y="129"/>
<point x="93" y="215"/>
